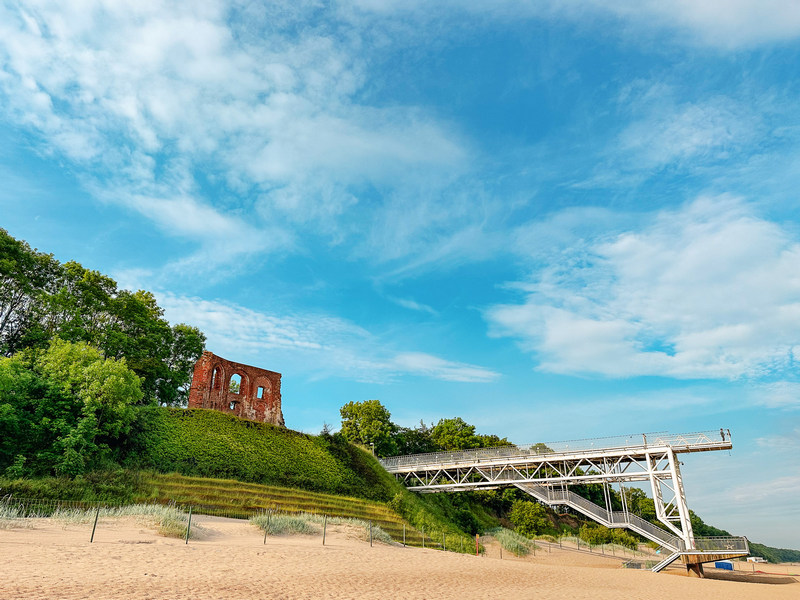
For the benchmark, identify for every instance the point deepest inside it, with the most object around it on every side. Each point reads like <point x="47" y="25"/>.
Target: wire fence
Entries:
<point x="188" y="523"/>
<point x="176" y="520"/>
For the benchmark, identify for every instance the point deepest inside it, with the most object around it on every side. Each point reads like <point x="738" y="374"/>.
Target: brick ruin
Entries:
<point x="215" y="382"/>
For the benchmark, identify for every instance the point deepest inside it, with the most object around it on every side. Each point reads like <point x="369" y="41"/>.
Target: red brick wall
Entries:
<point x="246" y="403"/>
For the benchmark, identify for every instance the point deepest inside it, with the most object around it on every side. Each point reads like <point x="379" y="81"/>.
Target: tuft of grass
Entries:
<point x="309" y="524"/>
<point x="11" y="517"/>
<point x="282" y="524"/>
<point x="511" y="541"/>
<point x="167" y="519"/>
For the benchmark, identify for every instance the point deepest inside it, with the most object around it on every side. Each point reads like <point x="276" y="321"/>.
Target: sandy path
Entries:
<point x="129" y="560"/>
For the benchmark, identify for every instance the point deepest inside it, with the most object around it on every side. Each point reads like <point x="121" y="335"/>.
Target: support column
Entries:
<point x="658" y="495"/>
<point x="680" y="500"/>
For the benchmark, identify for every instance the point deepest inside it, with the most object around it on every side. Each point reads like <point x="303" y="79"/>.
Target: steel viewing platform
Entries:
<point x="545" y="471"/>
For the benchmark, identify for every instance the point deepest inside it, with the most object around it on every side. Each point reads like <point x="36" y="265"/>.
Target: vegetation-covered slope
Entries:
<point x="209" y="443"/>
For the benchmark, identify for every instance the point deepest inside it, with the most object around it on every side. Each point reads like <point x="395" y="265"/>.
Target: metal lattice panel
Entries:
<point x="546" y="471"/>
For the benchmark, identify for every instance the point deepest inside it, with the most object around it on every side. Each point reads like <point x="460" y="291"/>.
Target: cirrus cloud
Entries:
<point x="710" y="290"/>
<point x="318" y="344"/>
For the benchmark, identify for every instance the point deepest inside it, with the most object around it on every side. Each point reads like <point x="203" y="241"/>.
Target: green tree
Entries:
<point x="77" y="309"/>
<point x="368" y="423"/>
<point x="454" y="434"/>
<point x="40" y="299"/>
<point x="64" y="410"/>
<point x="528" y="518"/>
<point x="640" y="505"/>
<point x="414" y="440"/>
<point x="491" y="441"/>
<point x="186" y="345"/>
<point x="25" y="276"/>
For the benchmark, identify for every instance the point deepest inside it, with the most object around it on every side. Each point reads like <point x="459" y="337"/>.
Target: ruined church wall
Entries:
<point x="258" y="398"/>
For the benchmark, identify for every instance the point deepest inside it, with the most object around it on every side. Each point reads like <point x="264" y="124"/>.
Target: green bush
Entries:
<point x="597" y="535"/>
<point x="466" y="521"/>
<point x="114" y="487"/>
<point x="529" y="518"/>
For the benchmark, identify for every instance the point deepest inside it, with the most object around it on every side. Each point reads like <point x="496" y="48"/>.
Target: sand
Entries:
<point x="129" y="560"/>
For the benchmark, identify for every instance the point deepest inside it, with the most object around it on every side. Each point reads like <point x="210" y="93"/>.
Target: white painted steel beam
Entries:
<point x="547" y="471"/>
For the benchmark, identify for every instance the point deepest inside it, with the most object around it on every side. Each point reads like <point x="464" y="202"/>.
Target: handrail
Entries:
<point x="570" y="498"/>
<point x="638" y="442"/>
<point x="722" y="544"/>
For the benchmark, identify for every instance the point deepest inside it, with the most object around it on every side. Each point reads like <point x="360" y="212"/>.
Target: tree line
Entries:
<point x="369" y="423"/>
<point x="79" y="358"/>
<point x="42" y="299"/>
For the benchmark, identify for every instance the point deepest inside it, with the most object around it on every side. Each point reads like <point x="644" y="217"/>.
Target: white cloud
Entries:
<point x="709" y="290"/>
<point x="779" y="394"/>
<point x="413" y="305"/>
<point x="724" y="24"/>
<point x="779" y="493"/>
<point x="720" y="23"/>
<point x="670" y="133"/>
<point x="418" y="363"/>
<point x="320" y="345"/>
<point x="147" y="97"/>
<point x="789" y="443"/>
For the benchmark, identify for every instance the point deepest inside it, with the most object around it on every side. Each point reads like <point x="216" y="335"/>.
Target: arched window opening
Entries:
<point x="232" y="405"/>
<point x="235" y="385"/>
<point x="260" y="392"/>
<point x="216" y="377"/>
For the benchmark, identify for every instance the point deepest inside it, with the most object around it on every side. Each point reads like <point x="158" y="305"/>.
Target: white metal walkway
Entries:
<point x="545" y="471"/>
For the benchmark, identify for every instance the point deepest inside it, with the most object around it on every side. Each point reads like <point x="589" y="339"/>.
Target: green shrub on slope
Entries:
<point x="208" y="443"/>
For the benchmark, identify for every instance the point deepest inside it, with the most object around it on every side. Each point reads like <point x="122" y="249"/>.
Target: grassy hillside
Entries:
<point x="214" y="460"/>
<point x="208" y="443"/>
<point x="234" y="498"/>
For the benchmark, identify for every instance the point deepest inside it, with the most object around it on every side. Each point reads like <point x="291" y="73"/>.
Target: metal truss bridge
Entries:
<point x="546" y="471"/>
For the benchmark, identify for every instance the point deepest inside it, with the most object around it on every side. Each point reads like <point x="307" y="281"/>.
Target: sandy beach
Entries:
<point x="129" y="560"/>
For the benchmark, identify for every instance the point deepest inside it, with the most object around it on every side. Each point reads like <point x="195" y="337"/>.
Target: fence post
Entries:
<point x="96" y="514"/>
<point x="188" y="526"/>
<point x="477" y="546"/>
<point x="404" y="535"/>
<point x="423" y="537"/>
<point x="324" y="527"/>
<point x="370" y="534"/>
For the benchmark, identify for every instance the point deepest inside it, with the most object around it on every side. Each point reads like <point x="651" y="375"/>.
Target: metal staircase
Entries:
<point x="545" y="471"/>
<point x="616" y="519"/>
<point x="666" y="562"/>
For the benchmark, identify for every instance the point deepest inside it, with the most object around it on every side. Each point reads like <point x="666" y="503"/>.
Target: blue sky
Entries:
<point x="557" y="220"/>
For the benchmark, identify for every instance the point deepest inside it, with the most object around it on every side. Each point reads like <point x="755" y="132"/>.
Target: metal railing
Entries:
<point x="722" y="544"/>
<point x="678" y="442"/>
<point x="643" y="527"/>
<point x="34" y="508"/>
<point x="600" y="514"/>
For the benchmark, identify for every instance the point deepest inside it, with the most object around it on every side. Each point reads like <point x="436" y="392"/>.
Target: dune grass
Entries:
<point x="512" y="542"/>
<point x="309" y="524"/>
<point x="168" y="520"/>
